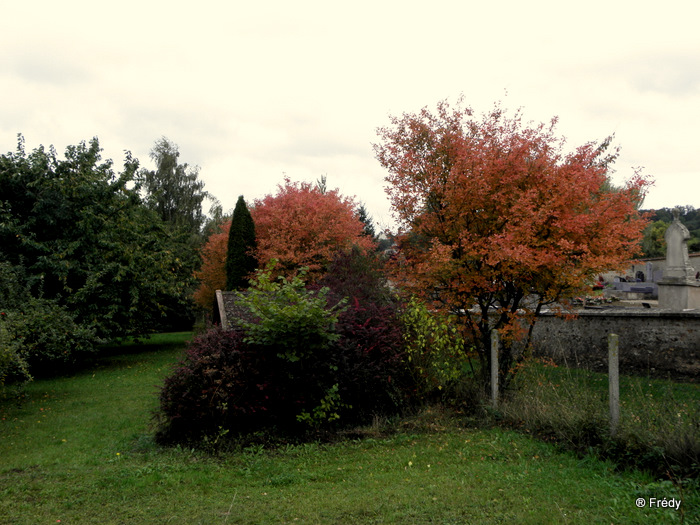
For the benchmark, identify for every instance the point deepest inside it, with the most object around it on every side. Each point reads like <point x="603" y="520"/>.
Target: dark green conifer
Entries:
<point x="365" y="218"/>
<point x="240" y="262"/>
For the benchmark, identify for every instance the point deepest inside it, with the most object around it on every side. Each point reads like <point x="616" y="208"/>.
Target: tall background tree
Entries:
<point x="498" y="220"/>
<point x="176" y="194"/>
<point x="366" y="220"/>
<point x="240" y="258"/>
<point x="174" y="190"/>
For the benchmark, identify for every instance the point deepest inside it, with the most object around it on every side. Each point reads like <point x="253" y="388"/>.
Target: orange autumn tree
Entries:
<point x="305" y="225"/>
<point x="498" y="221"/>
<point x="212" y="274"/>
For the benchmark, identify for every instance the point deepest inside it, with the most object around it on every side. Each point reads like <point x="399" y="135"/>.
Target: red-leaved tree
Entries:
<point x="498" y="220"/>
<point x="305" y="225"/>
<point x="212" y="274"/>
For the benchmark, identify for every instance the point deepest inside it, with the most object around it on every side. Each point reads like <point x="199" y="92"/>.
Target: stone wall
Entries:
<point x="656" y="342"/>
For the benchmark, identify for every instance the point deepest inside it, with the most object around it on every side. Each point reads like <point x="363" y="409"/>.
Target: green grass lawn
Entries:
<point x="79" y="450"/>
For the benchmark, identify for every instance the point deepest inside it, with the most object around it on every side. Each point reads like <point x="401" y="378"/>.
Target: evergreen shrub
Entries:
<point x="240" y="261"/>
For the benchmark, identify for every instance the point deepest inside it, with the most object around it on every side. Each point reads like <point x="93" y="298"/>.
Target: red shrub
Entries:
<point x="213" y="387"/>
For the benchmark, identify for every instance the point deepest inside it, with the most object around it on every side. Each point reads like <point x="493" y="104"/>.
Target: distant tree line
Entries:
<point x="654" y="245"/>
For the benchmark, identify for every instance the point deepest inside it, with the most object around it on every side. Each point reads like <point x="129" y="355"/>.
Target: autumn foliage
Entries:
<point x="212" y="274"/>
<point x="498" y="220"/>
<point x="304" y="225"/>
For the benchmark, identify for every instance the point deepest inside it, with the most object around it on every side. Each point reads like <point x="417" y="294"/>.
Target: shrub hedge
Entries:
<point x="303" y="360"/>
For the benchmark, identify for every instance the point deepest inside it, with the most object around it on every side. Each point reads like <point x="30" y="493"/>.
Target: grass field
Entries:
<point x="79" y="450"/>
<point x="659" y="425"/>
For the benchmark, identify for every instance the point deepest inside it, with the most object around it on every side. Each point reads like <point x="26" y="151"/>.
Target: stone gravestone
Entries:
<point x="649" y="272"/>
<point x="679" y="289"/>
<point x="677" y="260"/>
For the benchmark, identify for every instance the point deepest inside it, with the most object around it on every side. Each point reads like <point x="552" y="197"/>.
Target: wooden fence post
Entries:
<point x="614" y="382"/>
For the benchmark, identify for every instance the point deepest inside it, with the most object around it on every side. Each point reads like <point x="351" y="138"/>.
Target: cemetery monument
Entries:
<point x="679" y="289"/>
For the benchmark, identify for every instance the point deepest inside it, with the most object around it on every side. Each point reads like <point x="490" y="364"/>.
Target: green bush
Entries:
<point x="13" y="289"/>
<point x="436" y="352"/>
<point x="13" y="368"/>
<point x="37" y="336"/>
<point x="287" y="316"/>
<point x="45" y="337"/>
<point x="298" y="325"/>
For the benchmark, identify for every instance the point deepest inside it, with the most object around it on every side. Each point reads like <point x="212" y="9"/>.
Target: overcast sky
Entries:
<point x="251" y="91"/>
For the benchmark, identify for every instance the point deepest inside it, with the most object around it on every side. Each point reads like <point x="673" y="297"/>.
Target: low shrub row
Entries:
<point x="301" y="359"/>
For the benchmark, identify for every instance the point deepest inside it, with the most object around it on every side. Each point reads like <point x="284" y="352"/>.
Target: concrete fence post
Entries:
<point x="614" y="382"/>
<point x="494" y="368"/>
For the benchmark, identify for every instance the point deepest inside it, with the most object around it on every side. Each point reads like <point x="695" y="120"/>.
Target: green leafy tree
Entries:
<point x="215" y="219"/>
<point x="86" y="242"/>
<point x="176" y="194"/>
<point x="240" y="261"/>
<point x="174" y="190"/>
<point x="653" y="243"/>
